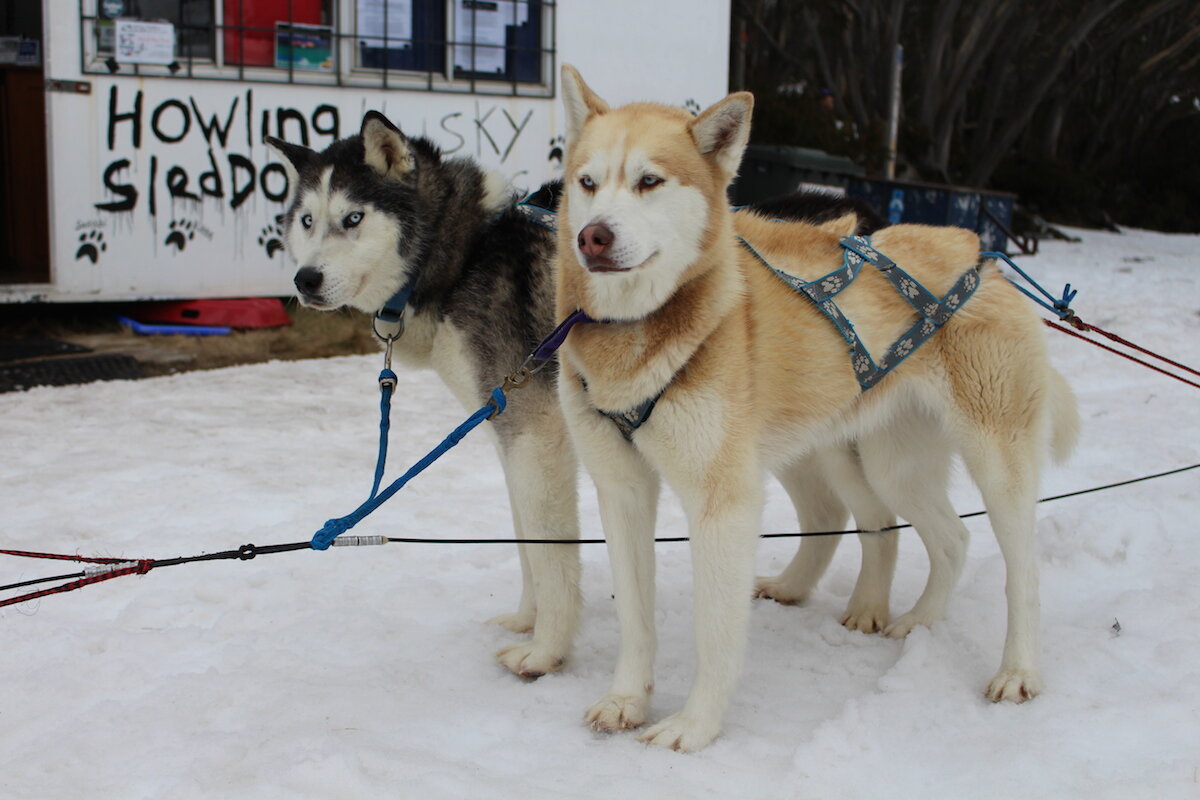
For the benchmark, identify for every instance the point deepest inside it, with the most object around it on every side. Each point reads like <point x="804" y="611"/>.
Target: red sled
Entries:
<point x="252" y="312"/>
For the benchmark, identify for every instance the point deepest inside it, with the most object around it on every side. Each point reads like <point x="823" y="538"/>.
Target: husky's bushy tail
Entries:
<point x="1064" y="418"/>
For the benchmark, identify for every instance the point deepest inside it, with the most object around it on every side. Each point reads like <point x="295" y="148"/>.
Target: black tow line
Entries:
<point x="102" y="569"/>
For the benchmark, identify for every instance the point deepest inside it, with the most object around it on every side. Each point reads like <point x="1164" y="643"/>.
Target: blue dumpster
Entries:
<point x="986" y="212"/>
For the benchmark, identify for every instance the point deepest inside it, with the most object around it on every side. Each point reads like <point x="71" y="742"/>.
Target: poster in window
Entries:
<point x="304" y="47"/>
<point x="29" y="53"/>
<point x="378" y="19"/>
<point x="145" y="42"/>
<point x="484" y="22"/>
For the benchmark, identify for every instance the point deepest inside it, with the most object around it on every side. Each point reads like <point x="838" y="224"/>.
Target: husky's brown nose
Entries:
<point x="594" y="240"/>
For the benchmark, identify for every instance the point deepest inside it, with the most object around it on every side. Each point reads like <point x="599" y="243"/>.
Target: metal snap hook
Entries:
<point x="387" y="352"/>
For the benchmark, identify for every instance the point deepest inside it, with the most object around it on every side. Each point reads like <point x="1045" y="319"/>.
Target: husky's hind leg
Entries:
<point x="867" y="610"/>
<point x="539" y="467"/>
<point x="521" y="620"/>
<point x="1005" y="468"/>
<point x="819" y="509"/>
<point x="908" y="466"/>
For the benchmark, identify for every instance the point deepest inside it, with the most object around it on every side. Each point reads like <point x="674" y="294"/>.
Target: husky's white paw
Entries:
<point x="682" y="732"/>
<point x="530" y="660"/>
<point x="615" y="712"/>
<point x="867" y="618"/>
<point x="1014" y="685"/>
<point x="515" y="622"/>
<point x="906" y="622"/>
<point x="775" y="588"/>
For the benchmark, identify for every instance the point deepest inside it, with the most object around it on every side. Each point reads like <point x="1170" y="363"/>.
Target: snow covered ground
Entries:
<point x="368" y="672"/>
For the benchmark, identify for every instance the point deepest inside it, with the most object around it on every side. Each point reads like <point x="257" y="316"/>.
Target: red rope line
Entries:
<point x="140" y="567"/>
<point x="1085" y="326"/>
<point x="59" y="557"/>
<point x="1081" y="325"/>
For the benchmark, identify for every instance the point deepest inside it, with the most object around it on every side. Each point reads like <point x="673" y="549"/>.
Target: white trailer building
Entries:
<point x="133" y="164"/>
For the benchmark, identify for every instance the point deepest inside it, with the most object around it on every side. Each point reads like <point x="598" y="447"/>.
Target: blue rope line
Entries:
<point x="387" y="384"/>
<point x="1058" y="305"/>
<point x="545" y="350"/>
<point x="323" y="538"/>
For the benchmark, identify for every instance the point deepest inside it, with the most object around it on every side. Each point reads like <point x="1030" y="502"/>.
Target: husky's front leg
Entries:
<point x="539" y="466"/>
<point x="628" y="497"/>
<point x="627" y="489"/>
<point x="724" y="512"/>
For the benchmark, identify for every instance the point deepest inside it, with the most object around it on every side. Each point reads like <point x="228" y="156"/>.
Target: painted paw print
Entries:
<point x="556" y="150"/>
<point x="692" y="106"/>
<point x="91" y="245"/>
<point x="269" y="239"/>
<point x="181" y="232"/>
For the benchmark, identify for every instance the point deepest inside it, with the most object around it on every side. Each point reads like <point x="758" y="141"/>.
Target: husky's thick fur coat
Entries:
<point x="750" y="377"/>
<point x="379" y="211"/>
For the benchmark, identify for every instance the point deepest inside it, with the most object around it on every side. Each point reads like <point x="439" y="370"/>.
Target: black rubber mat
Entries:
<point x="24" y="347"/>
<point x="64" y="371"/>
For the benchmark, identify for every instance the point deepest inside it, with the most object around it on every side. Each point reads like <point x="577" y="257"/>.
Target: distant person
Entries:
<point x="827" y="100"/>
<point x="826" y="128"/>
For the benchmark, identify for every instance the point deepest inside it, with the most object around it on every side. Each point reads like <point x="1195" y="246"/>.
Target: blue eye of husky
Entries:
<point x="587" y="182"/>
<point x="649" y="181"/>
<point x="306" y="221"/>
<point x="352" y="220"/>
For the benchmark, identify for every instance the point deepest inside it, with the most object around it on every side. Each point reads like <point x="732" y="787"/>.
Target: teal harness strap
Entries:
<point x="921" y="299"/>
<point x="823" y="288"/>
<point x="933" y="312"/>
<point x="631" y="419"/>
<point x="538" y="215"/>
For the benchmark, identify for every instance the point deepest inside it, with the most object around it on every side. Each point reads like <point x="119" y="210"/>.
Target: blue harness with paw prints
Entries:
<point x="932" y="311"/>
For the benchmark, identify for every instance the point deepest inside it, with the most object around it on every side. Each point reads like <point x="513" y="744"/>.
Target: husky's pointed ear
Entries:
<point x="723" y="130"/>
<point x="295" y="157"/>
<point x="841" y="227"/>
<point x="384" y="147"/>
<point x="580" y="102"/>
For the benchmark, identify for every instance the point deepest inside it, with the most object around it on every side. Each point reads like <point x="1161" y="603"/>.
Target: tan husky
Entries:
<point x="749" y="376"/>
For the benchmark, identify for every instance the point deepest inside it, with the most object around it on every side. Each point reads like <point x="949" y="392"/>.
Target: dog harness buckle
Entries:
<point x="517" y="379"/>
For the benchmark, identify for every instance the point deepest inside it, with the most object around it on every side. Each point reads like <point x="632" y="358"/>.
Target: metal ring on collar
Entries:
<point x="395" y="328"/>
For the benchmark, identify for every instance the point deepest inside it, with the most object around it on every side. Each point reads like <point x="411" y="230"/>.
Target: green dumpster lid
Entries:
<point x="803" y="158"/>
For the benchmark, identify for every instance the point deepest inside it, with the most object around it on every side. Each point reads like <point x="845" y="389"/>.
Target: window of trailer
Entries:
<point x="479" y="46"/>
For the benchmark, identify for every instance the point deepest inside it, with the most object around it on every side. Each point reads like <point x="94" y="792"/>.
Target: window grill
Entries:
<point x="498" y="47"/>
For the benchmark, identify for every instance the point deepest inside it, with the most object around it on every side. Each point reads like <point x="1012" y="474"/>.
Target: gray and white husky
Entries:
<point x="381" y="214"/>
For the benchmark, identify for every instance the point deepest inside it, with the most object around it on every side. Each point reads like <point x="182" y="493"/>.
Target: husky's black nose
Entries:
<point x="308" y="281"/>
